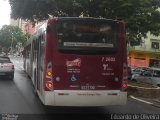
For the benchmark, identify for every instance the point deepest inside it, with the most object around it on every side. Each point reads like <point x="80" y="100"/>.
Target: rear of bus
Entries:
<point x="86" y="62"/>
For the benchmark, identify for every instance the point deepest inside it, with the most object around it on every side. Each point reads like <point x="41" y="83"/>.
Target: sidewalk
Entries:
<point x="144" y="92"/>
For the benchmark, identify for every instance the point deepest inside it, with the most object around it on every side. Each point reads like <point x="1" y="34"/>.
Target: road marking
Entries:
<point x="157" y="88"/>
<point x="141" y="100"/>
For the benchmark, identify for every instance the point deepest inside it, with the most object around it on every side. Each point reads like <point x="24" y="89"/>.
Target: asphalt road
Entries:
<point x="17" y="97"/>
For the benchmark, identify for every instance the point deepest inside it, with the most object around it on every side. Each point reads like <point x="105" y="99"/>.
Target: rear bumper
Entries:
<point x="6" y="73"/>
<point x="85" y="98"/>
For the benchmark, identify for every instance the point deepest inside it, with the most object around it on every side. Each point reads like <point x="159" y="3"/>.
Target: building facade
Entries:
<point x="26" y="26"/>
<point x="29" y="28"/>
<point x="147" y="54"/>
<point x="19" y="23"/>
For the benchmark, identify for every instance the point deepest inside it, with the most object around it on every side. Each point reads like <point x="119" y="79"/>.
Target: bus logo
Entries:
<point x="74" y="63"/>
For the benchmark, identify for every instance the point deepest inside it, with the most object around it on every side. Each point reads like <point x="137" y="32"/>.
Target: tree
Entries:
<point x="140" y="16"/>
<point x="10" y="36"/>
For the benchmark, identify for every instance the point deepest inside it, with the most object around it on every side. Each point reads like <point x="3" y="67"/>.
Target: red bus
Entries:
<point x="78" y="62"/>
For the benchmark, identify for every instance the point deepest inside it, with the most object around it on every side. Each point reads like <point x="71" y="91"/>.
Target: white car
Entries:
<point x="137" y="71"/>
<point x="151" y="76"/>
<point x="6" y="67"/>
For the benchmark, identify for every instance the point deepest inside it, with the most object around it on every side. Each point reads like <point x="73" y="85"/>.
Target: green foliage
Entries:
<point x="140" y="16"/>
<point x="10" y="36"/>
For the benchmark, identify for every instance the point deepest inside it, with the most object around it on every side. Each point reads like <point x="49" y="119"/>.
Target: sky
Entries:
<point x="5" y="11"/>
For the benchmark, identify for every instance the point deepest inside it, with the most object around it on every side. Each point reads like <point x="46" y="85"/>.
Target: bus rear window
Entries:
<point x="94" y="36"/>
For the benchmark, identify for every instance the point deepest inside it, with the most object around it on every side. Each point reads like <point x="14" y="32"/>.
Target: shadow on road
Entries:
<point x="76" y="113"/>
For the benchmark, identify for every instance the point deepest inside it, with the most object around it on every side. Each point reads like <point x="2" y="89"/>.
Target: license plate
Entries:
<point x="87" y="87"/>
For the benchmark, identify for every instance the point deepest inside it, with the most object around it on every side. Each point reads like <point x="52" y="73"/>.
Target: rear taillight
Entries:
<point x="49" y="86"/>
<point x="49" y="78"/>
<point x="125" y="77"/>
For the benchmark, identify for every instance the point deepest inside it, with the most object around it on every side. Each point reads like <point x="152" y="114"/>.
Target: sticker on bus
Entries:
<point x="73" y="78"/>
<point x="73" y="70"/>
<point x="73" y="66"/>
<point x="74" y="63"/>
<point x="108" y="59"/>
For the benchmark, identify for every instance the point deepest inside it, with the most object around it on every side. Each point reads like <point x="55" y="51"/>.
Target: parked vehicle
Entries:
<point x="6" y="67"/>
<point x="137" y="71"/>
<point x="151" y="76"/>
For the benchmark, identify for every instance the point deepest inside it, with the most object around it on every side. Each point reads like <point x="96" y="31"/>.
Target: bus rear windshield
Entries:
<point x="80" y="35"/>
